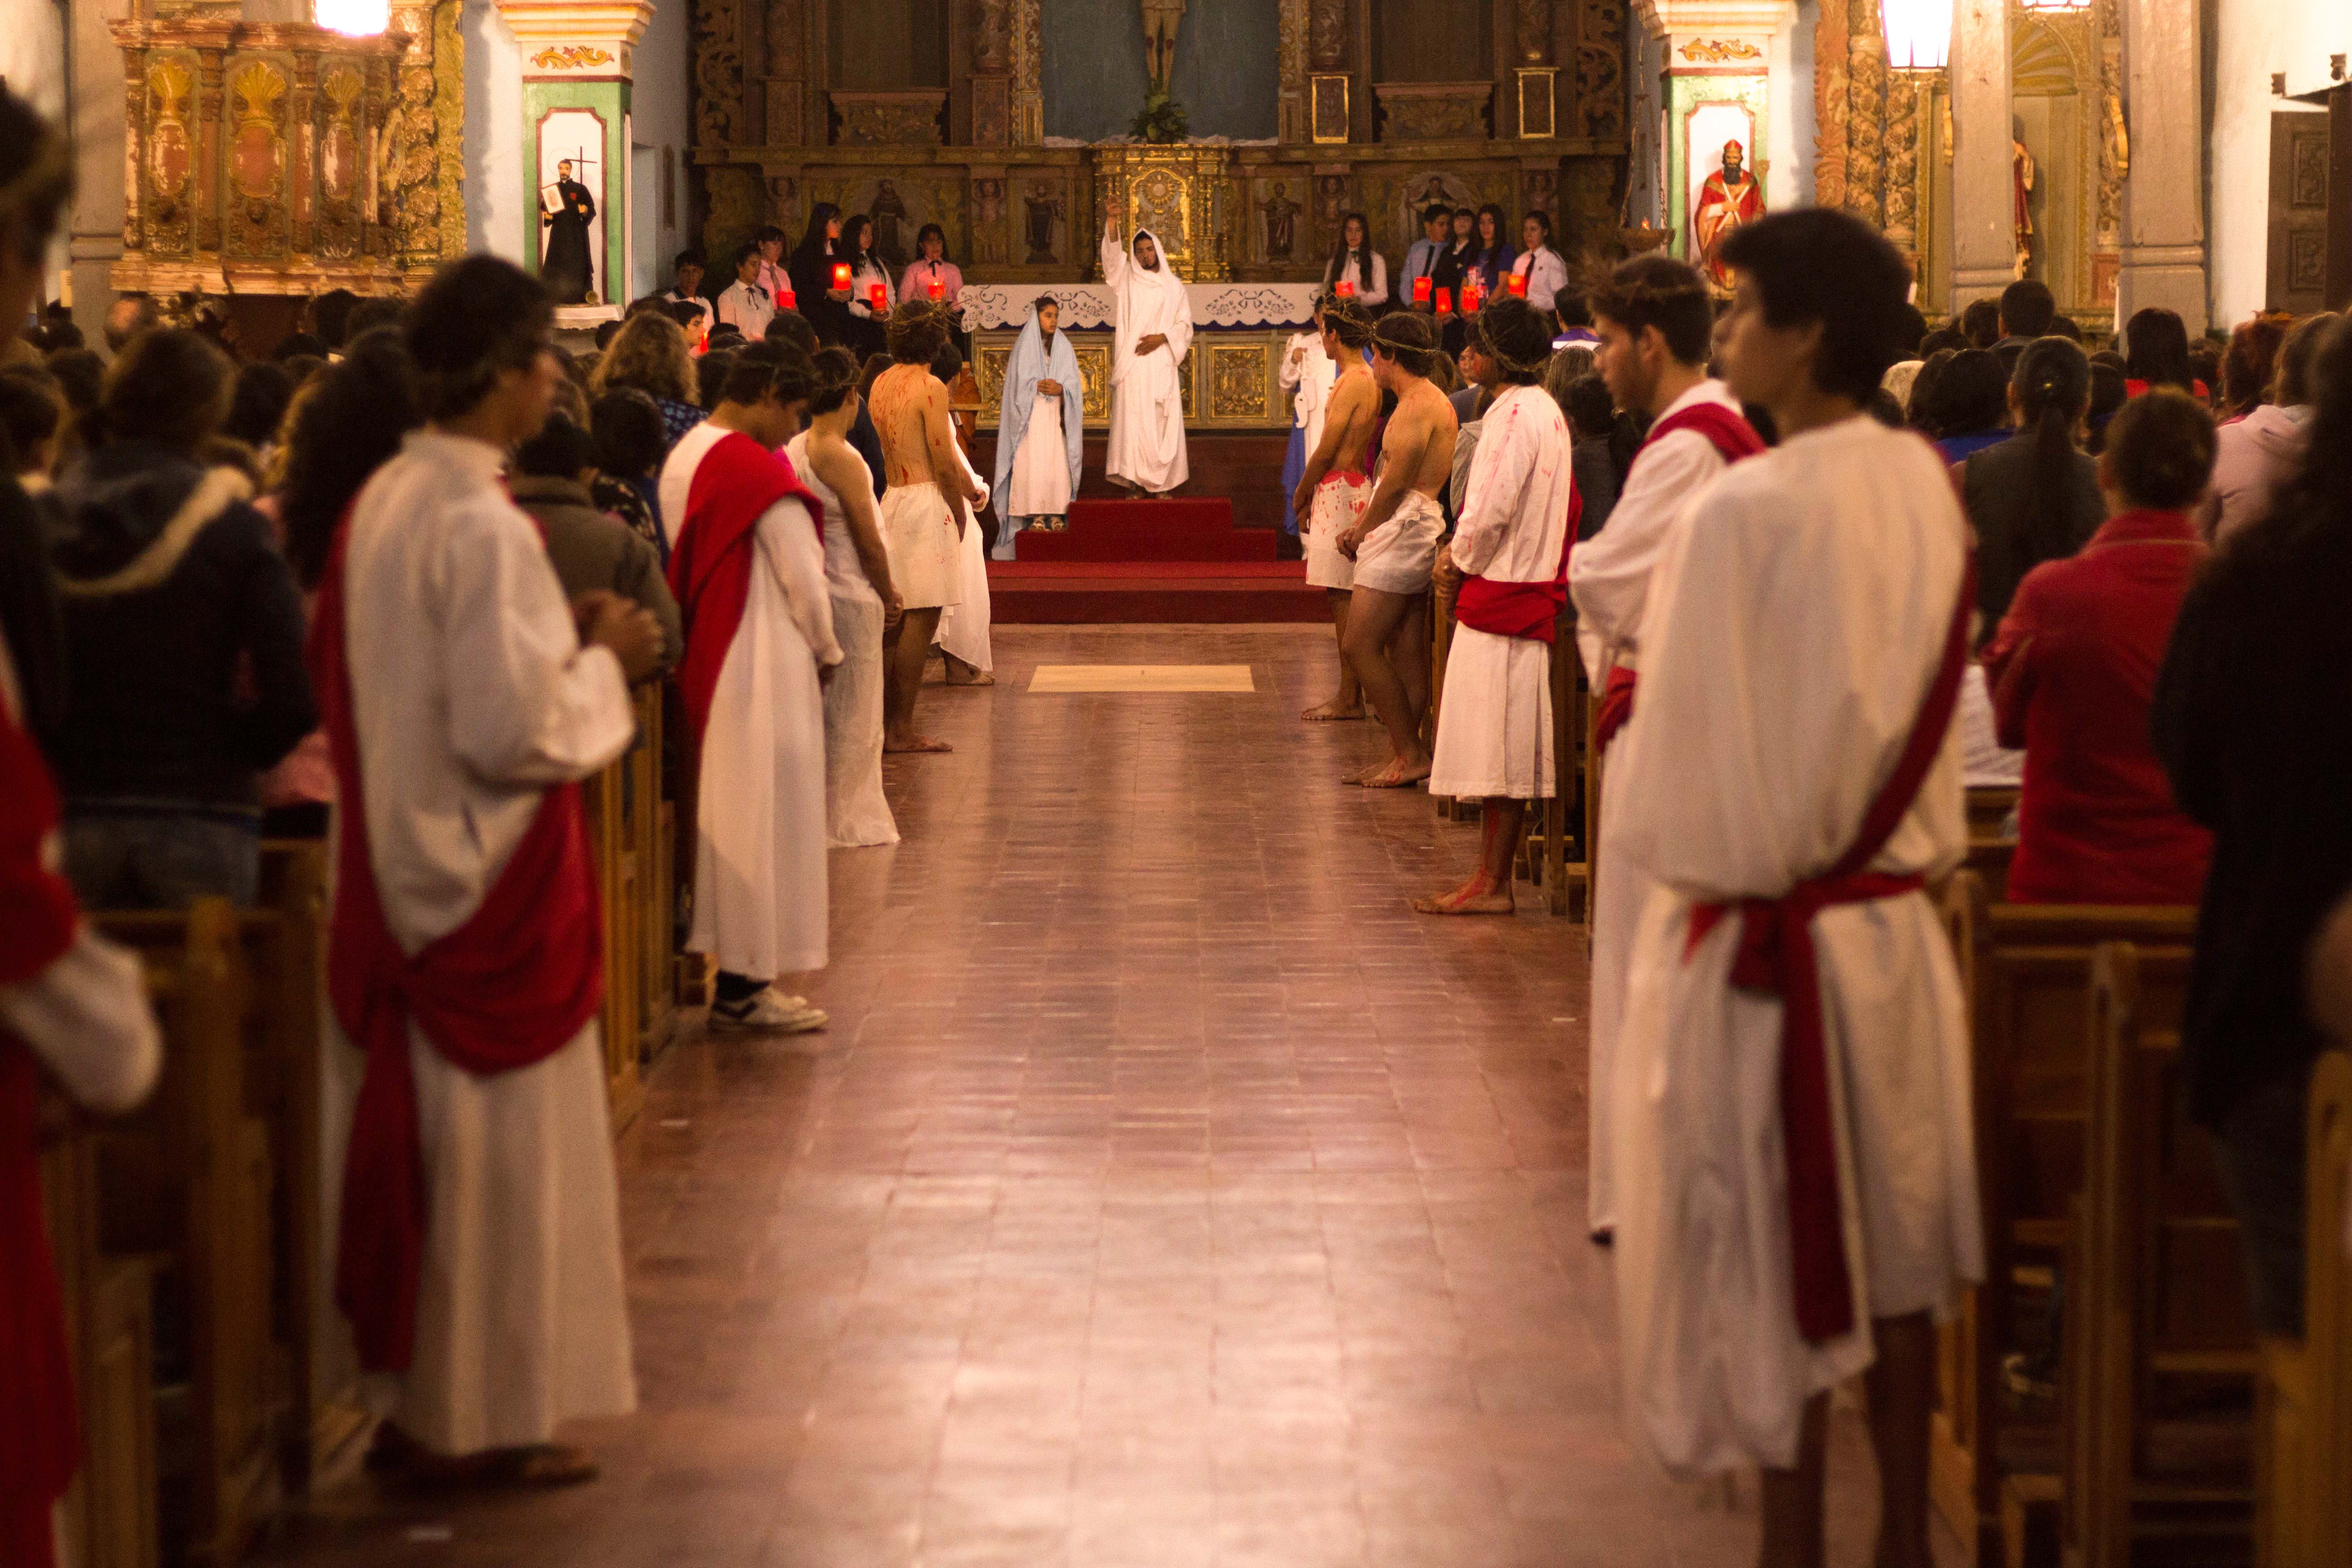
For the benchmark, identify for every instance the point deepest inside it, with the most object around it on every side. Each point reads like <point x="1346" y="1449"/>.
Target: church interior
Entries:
<point x="1163" y="1189"/>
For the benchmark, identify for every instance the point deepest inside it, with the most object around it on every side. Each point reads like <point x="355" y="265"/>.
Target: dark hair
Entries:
<point x="1042" y="300"/>
<point x="1943" y="338"/>
<point x="30" y="411"/>
<point x="835" y="377"/>
<point x="330" y="313"/>
<point x="625" y="424"/>
<point x="344" y="430"/>
<point x="302" y="367"/>
<point x="1980" y="323"/>
<point x="1348" y="321"/>
<point x="294" y="343"/>
<point x="170" y="387"/>
<point x="1488" y="258"/>
<point x="380" y="310"/>
<point x="1922" y="409"/>
<point x="1589" y="408"/>
<point x="605" y="332"/>
<point x="792" y="327"/>
<point x="60" y="333"/>
<point x="1542" y="220"/>
<point x="80" y="373"/>
<point x="690" y="256"/>
<point x="1363" y="253"/>
<point x="1915" y="329"/>
<point x="1409" y="338"/>
<point x="2053" y="388"/>
<point x="924" y="233"/>
<point x="477" y="317"/>
<point x="747" y="251"/>
<point x="685" y="312"/>
<point x="1886" y="408"/>
<point x="946" y="361"/>
<point x="2068" y="328"/>
<point x="856" y="239"/>
<point x="2026" y="307"/>
<point x="711" y="376"/>
<point x="1435" y="212"/>
<point x="871" y="372"/>
<point x="2108" y="395"/>
<point x="2250" y="362"/>
<point x="35" y="178"/>
<point x="917" y="330"/>
<point x="259" y="404"/>
<point x="767" y="233"/>
<point x="1818" y="264"/>
<point x="771" y="372"/>
<point x="559" y="451"/>
<point x="1971" y="394"/>
<point x="1658" y="291"/>
<point x="2297" y="356"/>
<point x="813" y="248"/>
<point x="2159" y="449"/>
<point x="2316" y="503"/>
<point x="2156" y="349"/>
<point x="1516" y="337"/>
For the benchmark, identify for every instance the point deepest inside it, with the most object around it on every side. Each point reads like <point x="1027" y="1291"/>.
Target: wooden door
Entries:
<point x="2297" y="275"/>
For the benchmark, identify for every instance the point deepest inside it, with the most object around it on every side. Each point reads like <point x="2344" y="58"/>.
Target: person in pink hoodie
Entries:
<point x="2256" y="452"/>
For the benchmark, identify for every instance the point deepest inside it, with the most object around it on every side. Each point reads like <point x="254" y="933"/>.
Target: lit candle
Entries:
<point x="787" y="300"/>
<point x="1421" y="291"/>
<point x="935" y="288"/>
<point x="877" y="296"/>
<point x="841" y="274"/>
<point x="1519" y="284"/>
<point x="1445" y="300"/>
<point x="1347" y="290"/>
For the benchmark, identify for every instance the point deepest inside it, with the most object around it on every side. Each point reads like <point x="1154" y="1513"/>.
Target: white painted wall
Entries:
<point x="33" y="63"/>
<point x="1788" y="124"/>
<point x="2250" y="41"/>
<point x="495" y="214"/>
<point x="660" y="118"/>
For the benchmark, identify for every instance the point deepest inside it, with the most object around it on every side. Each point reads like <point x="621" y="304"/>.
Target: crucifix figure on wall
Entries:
<point x="1161" y="19"/>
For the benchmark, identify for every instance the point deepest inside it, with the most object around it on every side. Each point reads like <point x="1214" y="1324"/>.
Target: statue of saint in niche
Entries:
<point x="1281" y="223"/>
<point x="1044" y="210"/>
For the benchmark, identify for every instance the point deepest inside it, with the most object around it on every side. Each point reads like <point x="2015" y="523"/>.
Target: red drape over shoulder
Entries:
<point x="710" y="567"/>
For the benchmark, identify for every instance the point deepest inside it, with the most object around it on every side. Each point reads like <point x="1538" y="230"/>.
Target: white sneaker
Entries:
<point x="768" y="1013"/>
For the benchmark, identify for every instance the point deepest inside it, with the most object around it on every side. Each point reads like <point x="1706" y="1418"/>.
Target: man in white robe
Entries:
<point x="475" y="697"/>
<point x="748" y="569"/>
<point x="1510" y="556"/>
<point x="1151" y="330"/>
<point x="1796" y="1179"/>
<point x="1653" y="318"/>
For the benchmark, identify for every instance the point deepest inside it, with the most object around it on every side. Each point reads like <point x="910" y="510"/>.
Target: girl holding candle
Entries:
<point x="816" y="295"/>
<point x="931" y="276"/>
<point x="867" y="274"/>
<point x="1355" y="262"/>
<point x="1545" y="273"/>
<point x="1447" y="275"/>
<point x="1491" y="252"/>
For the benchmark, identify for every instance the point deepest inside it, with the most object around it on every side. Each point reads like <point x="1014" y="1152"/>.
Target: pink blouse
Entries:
<point x="916" y="284"/>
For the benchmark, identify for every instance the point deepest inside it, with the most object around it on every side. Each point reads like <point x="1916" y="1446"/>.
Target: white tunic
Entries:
<point x="1609" y="578"/>
<point x="760" y="830"/>
<point x="1493" y="724"/>
<point x="470" y="696"/>
<point x="1147" y="398"/>
<point x="1793" y="627"/>
<point x="856" y="812"/>
<point x="963" y="624"/>
<point x="1041" y="464"/>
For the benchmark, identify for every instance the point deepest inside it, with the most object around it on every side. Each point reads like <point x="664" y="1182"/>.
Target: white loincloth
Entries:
<point x="1398" y="556"/>
<point x="919" y="534"/>
<point x="1622" y="888"/>
<point x="1494" y="723"/>
<point x="856" y="811"/>
<point x="963" y="624"/>
<point x="1340" y="499"/>
<point x="1040" y="484"/>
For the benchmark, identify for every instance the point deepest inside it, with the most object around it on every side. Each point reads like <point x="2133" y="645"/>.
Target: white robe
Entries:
<point x="1609" y="578"/>
<point x="1307" y="374"/>
<point x="760" y="830"/>
<point x="964" y="625"/>
<point x="856" y="812"/>
<point x="471" y="696"/>
<point x="1792" y="629"/>
<point x="1494" y="725"/>
<point x="1147" y="398"/>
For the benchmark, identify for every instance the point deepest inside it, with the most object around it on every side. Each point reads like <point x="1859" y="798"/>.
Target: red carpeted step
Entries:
<point x="1244" y="468"/>
<point x="1175" y="529"/>
<point x="1058" y="593"/>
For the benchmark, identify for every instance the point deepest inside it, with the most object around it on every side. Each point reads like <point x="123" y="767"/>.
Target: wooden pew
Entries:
<point x="2160" y="1354"/>
<point x="1989" y="808"/>
<point x="2026" y="970"/>
<point x="109" y="1511"/>
<point x="1544" y="846"/>
<point x="2302" y="1507"/>
<point x="629" y="832"/>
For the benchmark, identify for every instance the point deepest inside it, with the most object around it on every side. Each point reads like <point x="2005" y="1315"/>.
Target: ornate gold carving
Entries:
<point x="170" y="155"/>
<point x="888" y="118"/>
<point x="1028" y="92"/>
<point x="1831" y="104"/>
<point x="1290" y="50"/>
<point x="1718" y="51"/>
<point x="1237" y="378"/>
<point x="1328" y="107"/>
<point x="734" y="209"/>
<point x="1174" y="192"/>
<point x="1536" y="90"/>
<point x="785" y="26"/>
<point x="1435" y="112"/>
<point x="1326" y="35"/>
<point x="1094" y="370"/>
<point x="2115" y="136"/>
<point x="1533" y="32"/>
<point x="1601" y="66"/>
<point x="1902" y="146"/>
<point x="1866" y="104"/>
<point x="718" y="73"/>
<point x="571" y="57"/>
<point x="988" y="366"/>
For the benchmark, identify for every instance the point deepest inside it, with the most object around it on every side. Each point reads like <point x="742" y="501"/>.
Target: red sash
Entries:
<point x="1776" y="957"/>
<point x="1733" y="438"/>
<point x="40" y="1440"/>
<point x="510" y="987"/>
<point x="1521" y="609"/>
<point x="710" y="566"/>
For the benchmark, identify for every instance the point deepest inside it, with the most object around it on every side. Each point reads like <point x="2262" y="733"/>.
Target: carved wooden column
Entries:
<point x="1831" y="101"/>
<point x="1902" y="148"/>
<point x="718" y="50"/>
<point x="1590" y="210"/>
<point x="1326" y="64"/>
<point x="1027" y="44"/>
<point x="991" y="73"/>
<point x="1290" y="117"/>
<point x="1984" y="241"/>
<point x="2163" y="199"/>
<point x="783" y="85"/>
<point x="1865" y="128"/>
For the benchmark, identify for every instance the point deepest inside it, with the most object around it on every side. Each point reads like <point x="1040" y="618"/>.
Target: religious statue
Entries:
<point x="1281" y="221"/>
<point x="888" y="208"/>
<point x="2020" y="178"/>
<point x="1729" y="198"/>
<point x="988" y="213"/>
<point x="1044" y="210"/>
<point x="1161" y="18"/>
<point x="565" y="211"/>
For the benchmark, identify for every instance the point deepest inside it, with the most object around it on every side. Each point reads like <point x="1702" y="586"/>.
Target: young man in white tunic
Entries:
<point x="1510" y="556"/>
<point x="1039" y="435"/>
<point x="1796" y="1178"/>
<point x="1152" y="329"/>
<point x="1394" y="547"/>
<point x="923" y="511"/>
<point x="747" y="566"/>
<point x="864" y="602"/>
<point x="1333" y="488"/>
<point x="464" y="1077"/>
<point x="1654" y="317"/>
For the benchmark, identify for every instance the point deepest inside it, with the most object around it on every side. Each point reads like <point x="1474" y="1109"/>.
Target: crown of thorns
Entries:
<point x="1487" y="344"/>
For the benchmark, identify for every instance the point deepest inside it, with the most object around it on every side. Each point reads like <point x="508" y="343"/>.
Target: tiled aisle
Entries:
<point x="1165" y="1193"/>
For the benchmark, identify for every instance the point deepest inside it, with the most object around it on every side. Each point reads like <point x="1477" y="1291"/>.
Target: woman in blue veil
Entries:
<point x="1039" y="438"/>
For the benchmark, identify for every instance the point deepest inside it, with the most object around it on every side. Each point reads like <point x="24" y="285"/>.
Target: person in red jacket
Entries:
<point x="2073" y="669"/>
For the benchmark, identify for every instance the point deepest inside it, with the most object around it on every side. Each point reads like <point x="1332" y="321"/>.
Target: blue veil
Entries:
<point x="1029" y="365"/>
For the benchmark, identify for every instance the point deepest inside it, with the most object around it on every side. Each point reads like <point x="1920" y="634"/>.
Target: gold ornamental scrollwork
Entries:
<point x="1237" y="382"/>
<point x="1718" y="51"/>
<point x="572" y="58"/>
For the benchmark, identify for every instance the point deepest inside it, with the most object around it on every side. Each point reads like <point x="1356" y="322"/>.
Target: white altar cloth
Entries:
<point x="992" y="306"/>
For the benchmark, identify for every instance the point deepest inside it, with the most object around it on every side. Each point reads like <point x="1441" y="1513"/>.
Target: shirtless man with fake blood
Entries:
<point x="1333" y="488"/>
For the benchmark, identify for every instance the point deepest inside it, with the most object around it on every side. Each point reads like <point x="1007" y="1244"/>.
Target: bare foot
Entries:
<point x="962" y="674"/>
<point x="915" y="744"/>
<point x="1476" y="897"/>
<point x="1331" y="710"/>
<point x="1398" y="775"/>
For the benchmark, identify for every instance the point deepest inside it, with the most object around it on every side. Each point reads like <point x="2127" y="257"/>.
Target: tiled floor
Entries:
<point x="1165" y="1193"/>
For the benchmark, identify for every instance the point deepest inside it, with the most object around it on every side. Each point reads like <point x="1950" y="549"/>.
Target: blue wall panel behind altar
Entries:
<point x="1227" y="73"/>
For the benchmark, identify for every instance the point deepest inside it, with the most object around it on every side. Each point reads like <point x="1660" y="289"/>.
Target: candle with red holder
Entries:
<point x="1421" y="291"/>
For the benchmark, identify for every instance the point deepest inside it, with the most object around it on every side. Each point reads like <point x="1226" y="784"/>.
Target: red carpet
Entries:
<point x="1179" y="529"/>
<point x="1142" y="592"/>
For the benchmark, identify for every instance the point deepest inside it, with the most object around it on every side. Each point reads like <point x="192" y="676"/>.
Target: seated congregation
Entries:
<point x="1950" y="730"/>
